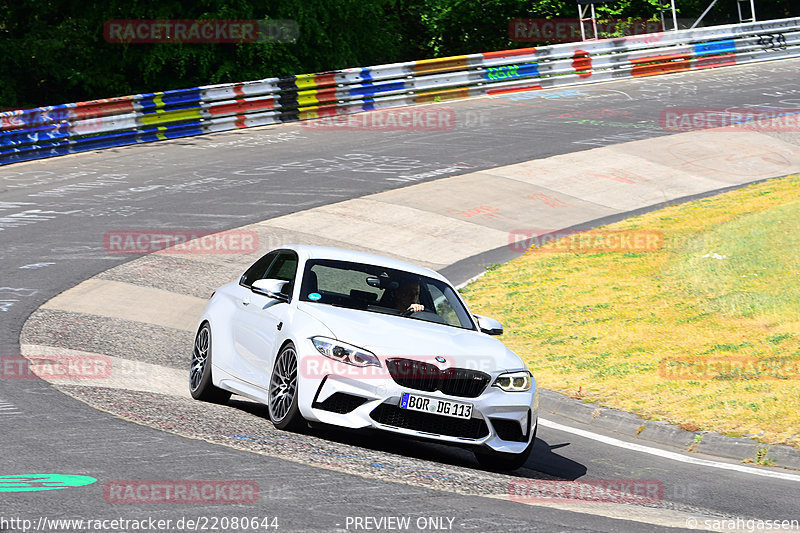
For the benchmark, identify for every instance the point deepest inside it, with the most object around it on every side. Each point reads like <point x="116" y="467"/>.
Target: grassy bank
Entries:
<point x="703" y="331"/>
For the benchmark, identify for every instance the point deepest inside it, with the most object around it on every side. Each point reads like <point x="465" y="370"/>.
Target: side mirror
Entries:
<point x="272" y="288"/>
<point x="490" y="326"/>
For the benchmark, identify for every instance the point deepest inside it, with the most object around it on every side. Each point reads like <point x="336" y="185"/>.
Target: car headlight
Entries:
<point x="514" y="381"/>
<point x="345" y="353"/>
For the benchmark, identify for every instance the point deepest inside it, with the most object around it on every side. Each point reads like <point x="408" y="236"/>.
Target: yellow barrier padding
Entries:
<point x="304" y="115"/>
<point x="162" y="117"/>
<point x="443" y="94"/>
<point x="444" y="64"/>
<point x="306" y="81"/>
<point x="307" y="99"/>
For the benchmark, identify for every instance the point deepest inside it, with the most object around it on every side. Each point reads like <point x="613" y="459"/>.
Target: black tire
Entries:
<point x="200" y="384"/>
<point x="504" y="462"/>
<point x="283" y="392"/>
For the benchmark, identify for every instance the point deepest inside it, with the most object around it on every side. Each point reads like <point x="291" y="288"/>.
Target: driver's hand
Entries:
<point x="416" y="307"/>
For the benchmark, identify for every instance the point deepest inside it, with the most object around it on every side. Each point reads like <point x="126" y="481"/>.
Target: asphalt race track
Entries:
<point x="53" y="218"/>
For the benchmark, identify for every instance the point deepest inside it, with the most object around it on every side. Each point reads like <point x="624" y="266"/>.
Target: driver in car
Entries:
<point x="406" y="297"/>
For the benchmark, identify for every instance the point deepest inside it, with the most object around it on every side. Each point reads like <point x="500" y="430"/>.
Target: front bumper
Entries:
<point x="502" y="421"/>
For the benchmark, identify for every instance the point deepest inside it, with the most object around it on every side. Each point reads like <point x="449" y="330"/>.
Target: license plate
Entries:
<point x="436" y="406"/>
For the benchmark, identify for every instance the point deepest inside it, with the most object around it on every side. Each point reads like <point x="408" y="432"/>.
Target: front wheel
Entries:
<point x="283" y="396"/>
<point x="502" y="461"/>
<point x="201" y="385"/>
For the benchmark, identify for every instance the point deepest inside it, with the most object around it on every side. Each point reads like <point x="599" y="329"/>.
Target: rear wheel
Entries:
<point x="502" y="461"/>
<point x="200" y="384"/>
<point x="283" y="397"/>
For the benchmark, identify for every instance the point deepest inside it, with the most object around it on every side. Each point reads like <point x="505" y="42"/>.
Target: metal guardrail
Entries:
<point x="70" y="128"/>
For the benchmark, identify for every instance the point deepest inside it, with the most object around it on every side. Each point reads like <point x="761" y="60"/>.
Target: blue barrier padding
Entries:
<point x="174" y="127"/>
<point x="152" y="110"/>
<point x="84" y="145"/>
<point x="105" y="136"/>
<point x="171" y="132"/>
<point x="717" y="47"/>
<point x="32" y="135"/>
<point x="170" y="98"/>
<point x="23" y="153"/>
<point x="366" y="74"/>
<point x="170" y="135"/>
<point x="369" y="89"/>
<point x="46" y="144"/>
<point x="33" y="154"/>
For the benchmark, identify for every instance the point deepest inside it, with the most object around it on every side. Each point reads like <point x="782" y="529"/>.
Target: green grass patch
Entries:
<point x="723" y="290"/>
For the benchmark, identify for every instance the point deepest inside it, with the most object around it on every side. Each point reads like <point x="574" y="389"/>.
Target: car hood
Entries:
<point x="389" y="335"/>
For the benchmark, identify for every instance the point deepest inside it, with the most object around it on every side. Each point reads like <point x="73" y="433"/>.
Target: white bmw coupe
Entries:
<point x="358" y="340"/>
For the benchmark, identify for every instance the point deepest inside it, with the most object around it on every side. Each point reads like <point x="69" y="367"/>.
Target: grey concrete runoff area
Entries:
<point x="455" y="200"/>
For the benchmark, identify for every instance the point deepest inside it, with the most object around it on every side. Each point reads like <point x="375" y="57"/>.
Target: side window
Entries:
<point x="284" y="267"/>
<point x="442" y="306"/>
<point x="258" y="270"/>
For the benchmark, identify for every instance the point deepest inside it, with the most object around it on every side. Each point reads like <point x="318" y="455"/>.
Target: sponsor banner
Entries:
<point x="181" y="242"/>
<point x="750" y="119"/>
<point x="591" y="241"/>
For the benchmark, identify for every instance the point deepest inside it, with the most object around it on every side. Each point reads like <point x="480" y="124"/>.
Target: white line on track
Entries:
<point x="7" y="409"/>
<point x="667" y="454"/>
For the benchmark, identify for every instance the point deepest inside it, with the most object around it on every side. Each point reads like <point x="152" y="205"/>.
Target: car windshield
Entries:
<point x="382" y="290"/>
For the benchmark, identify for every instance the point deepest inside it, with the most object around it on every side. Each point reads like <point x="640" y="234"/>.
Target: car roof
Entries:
<point x="306" y="251"/>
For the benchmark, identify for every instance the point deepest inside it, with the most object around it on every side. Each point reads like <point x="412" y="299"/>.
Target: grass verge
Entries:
<point x="703" y="331"/>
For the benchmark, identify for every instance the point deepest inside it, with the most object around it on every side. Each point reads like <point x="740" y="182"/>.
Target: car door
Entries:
<point x="258" y="317"/>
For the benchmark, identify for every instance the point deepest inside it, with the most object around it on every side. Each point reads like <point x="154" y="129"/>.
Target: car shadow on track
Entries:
<point x="544" y="461"/>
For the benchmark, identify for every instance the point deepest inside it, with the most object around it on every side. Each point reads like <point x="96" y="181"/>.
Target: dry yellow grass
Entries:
<point x="600" y="325"/>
